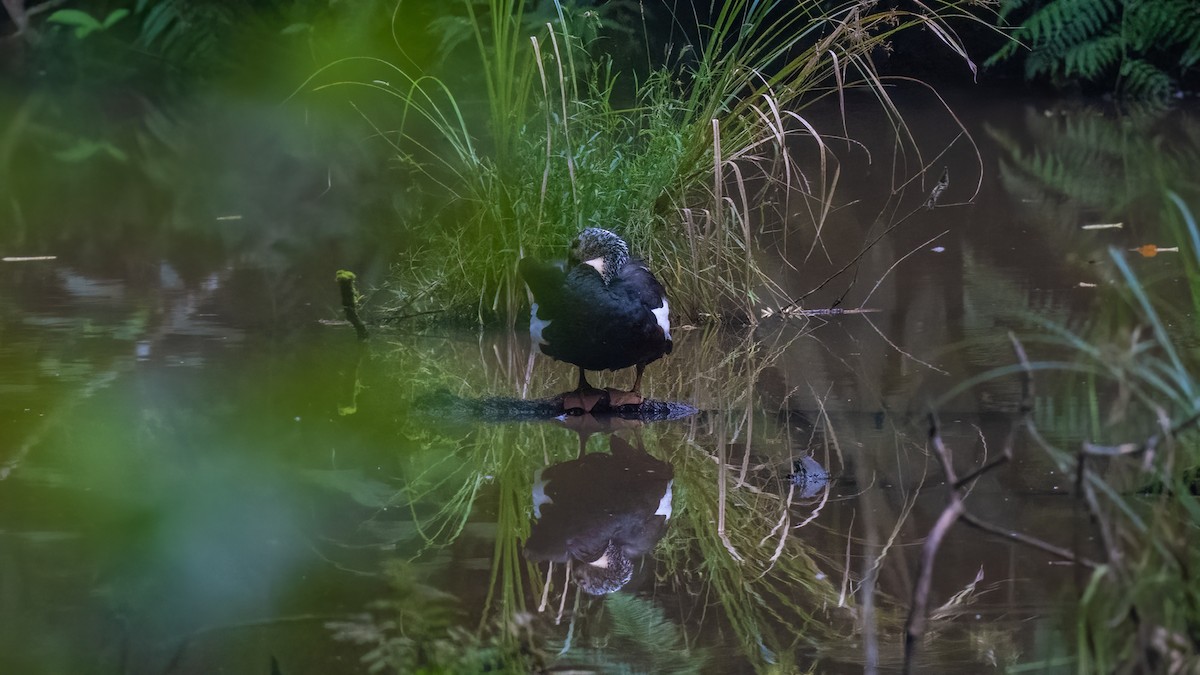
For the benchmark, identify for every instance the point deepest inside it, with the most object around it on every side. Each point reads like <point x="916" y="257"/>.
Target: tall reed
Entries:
<point x="682" y="173"/>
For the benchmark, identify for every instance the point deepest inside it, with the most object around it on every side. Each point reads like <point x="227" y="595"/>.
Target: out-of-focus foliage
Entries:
<point x="1137" y="48"/>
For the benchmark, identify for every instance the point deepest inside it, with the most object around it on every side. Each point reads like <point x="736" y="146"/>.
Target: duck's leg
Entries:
<point x="633" y="396"/>
<point x="585" y="397"/>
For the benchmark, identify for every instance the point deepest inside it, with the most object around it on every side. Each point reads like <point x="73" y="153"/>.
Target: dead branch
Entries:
<point x="956" y="509"/>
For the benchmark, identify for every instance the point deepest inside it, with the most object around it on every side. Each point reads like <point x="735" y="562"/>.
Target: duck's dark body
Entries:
<point x="580" y="319"/>
<point x="602" y="311"/>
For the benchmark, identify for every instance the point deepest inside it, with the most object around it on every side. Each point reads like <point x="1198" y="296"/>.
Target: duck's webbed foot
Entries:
<point x="583" y="399"/>
<point x="618" y="398"/>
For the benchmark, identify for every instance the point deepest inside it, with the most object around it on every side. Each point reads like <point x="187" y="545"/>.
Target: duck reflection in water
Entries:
<point x="599" y="512"/>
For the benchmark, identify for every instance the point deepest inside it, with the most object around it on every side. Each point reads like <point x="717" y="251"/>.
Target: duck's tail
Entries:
<point x="545" y="280"/>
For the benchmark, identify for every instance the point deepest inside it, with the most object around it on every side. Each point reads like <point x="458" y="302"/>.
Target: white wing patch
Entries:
<point x="537" y="325"/>
<point x="539" y="494"/>
<point x="664" y="504"/>
<point x="664" y="321"/>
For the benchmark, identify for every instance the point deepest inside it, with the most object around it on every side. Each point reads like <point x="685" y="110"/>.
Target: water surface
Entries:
<point x="198" y="475"/>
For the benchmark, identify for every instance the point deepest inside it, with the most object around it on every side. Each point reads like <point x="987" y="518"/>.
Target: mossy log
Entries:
<point x="506" y="409"/>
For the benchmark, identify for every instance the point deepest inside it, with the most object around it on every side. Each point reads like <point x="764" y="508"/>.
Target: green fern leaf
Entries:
<point x="1143" y="80"/>
<point x="1161" y="24"/>
<point x="1007" y="7"/>
<point x="1090" y="60"/>
<point x="1087" y="39"/>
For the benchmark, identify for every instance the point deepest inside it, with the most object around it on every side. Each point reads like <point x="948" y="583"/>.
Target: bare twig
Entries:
<point x="853" y="261"/>
<point x="914" y="628"/>
<point x="44" y="7"/>
<point x="1025" y="408"/>
<point x="562" y="605"/>
<point x="1053" y="550"/>
<point x="956" y="510"/>
<point x="546" y="588"/>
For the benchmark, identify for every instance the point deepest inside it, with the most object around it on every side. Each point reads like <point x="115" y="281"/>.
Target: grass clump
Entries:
<point x="1141" y="608"/>
<point x="678" y="161"/>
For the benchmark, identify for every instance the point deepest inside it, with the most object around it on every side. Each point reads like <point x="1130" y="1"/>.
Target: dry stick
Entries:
<point x="853" y="261"/>
<point x="914" y="628"/>
<point x="1025" y="408"/>
<point x="1151" y="443"/>
<point x="546" y="588"/>
<point x="562" y="605"/>
<point x="1059" y="552"/>
<point x="1082" y="486"/>
<point x="893" y="266"/>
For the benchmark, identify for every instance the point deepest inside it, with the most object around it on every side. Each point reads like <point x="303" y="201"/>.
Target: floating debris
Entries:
<point x="938" y="249"/>
<point x="1104" y="226"/>
<point x="936" y="193"/>
<point x="792" y="312"/>
<point x="229" y="217"/>
<point x="29" y="258"/>
<point x="1086" y="284"/>
<point x="1150" y="250"/>
<point x="809" y="476"/>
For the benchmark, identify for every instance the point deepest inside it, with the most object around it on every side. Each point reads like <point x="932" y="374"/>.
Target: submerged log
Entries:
<point x="507" y="409"/>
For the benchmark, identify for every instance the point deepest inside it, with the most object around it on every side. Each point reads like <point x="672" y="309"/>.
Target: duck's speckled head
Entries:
<point x="601" y="249"/>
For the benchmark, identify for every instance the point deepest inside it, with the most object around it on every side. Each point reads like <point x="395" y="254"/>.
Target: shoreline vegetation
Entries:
<point x="688" y="173"/>
<point x="711" y="147"/>
<point x="530" y="120"/>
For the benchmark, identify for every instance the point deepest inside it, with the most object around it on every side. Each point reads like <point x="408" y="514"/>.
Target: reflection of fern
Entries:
<point x="650" y="634"/>
<point x="1136" y="43"/>
<point x="1110" y="165"/>
<point x="415" y="630"/>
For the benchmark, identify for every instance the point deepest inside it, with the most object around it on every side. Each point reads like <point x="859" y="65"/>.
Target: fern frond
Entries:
<point x="1160" y="24"/>
<point x="184" y="31"/>
<point x="1063" y="23"/>
<point x="1008" y="7"/>
<point x="1144" y="80"/>
<point x="1092" y="59"/>
<point x="1087" y="39"/>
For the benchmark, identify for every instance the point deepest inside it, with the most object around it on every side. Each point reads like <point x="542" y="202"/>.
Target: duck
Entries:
<point x="601" y="310"/>
<point x="600" y="512"/>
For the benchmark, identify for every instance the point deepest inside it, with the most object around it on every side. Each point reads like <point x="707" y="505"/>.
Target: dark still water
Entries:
<point x="198" y="476"/>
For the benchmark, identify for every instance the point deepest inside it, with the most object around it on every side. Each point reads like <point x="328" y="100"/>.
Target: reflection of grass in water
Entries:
<point x="764" y="576"/>
<point x="777" y="601"/>
<point x="1139" y="610"/>
<point x="769" y="584"/>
